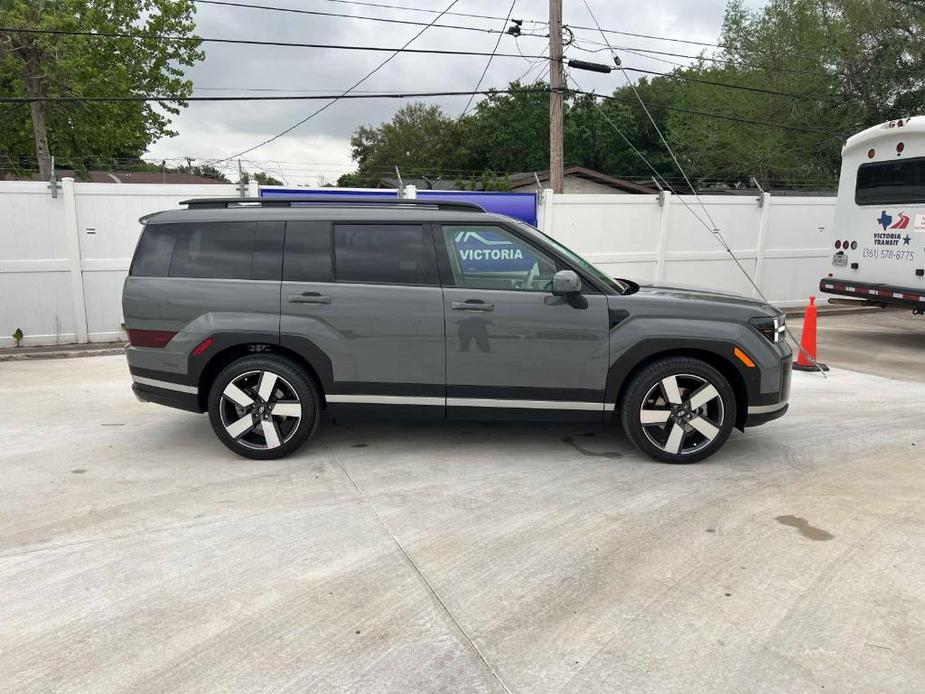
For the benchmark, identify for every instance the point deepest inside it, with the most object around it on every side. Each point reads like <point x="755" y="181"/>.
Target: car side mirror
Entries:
<point x="565" y="282"/>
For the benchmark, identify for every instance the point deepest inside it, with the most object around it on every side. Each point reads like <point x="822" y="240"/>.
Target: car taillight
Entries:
<point x="838" y="244"/>
<point x="854" y="245"/>
<point x="149" y="338"/>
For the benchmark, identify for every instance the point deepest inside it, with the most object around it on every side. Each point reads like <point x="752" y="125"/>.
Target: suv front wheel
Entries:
<point x="678" y="410"/>
<point x="263" y="407"/>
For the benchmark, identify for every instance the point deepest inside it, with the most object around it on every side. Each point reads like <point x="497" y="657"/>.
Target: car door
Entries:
<point x="364" y="300"/>
<point x="512" y="345"/>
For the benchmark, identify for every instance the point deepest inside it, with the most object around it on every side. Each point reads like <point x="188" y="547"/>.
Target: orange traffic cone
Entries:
<point x="806" y="358"/>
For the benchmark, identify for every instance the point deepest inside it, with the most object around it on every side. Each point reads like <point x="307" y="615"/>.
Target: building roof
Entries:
<point x="521" y="179"/>
<point x="518" y="180"/>
<point x="127" y="177"/>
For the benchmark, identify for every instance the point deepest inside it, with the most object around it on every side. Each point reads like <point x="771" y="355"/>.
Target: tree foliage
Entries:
<point x="78" y="134"/>
<point x="839" y="66"/>
<point x="849" y="64"/>
<point x="419" y="139"/>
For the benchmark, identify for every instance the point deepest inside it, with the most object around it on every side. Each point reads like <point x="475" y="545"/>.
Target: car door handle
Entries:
<point x="472" y="305"/>
<point x="309" y="298"/>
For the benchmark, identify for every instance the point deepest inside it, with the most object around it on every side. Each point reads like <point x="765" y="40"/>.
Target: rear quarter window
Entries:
<point x="211" y="250"/>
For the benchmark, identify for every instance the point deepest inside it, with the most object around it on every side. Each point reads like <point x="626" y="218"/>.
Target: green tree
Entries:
<point x="262" y="178"/>
<point x="852" y="63"/>
<point x="419" y="140"/>
<point x="487" y="181"/>
<point x="508" y="132"/>
<point x="48" y="65"/>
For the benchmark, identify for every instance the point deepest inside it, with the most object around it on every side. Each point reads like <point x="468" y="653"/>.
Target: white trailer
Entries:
<point x="879" y="231"/>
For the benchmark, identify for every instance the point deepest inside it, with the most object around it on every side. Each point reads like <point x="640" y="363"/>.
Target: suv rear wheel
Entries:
<point x="263" y="407"/>
<point x="678" y="410"/>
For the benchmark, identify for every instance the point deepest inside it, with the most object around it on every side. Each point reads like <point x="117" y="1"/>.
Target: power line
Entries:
<point x="735" y="61"/>
<point x="536" y="22"/>
<point x="346" y="91"/>
<point x="713" y="59"/>
<point x="726" y="85"/>
<point x="488" y="62"/>
<point x="320" y="13"/>
<point x="388" y="6"/>
<point x="403" y="95"/>
<point x="742" y="87"/>
<point x="533" y="65"/>
<point x="395" y="51"/>
<point x="254" y="42"/>
<point x="288" y="97"/>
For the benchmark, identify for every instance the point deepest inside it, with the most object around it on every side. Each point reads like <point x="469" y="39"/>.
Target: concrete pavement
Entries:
<point x="887" y="342"/>
<point x="138" y="554"/>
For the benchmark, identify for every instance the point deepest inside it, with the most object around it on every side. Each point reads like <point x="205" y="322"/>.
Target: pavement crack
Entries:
<point x="420" y="574"/>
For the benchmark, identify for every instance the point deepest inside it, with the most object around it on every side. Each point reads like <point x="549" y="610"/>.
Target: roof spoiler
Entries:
<point x="329" y="201"/>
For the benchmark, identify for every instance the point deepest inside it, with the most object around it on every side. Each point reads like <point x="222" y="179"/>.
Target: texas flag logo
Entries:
<point x="886" y="221"/>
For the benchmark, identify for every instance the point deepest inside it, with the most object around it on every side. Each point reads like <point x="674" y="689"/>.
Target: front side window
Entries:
<point x="384" y="254"/>
<point x="891" y="182"/>
<point x="490" y="257"/>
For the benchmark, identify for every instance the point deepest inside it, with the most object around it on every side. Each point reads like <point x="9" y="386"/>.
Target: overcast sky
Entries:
<point x="320" y="149"/>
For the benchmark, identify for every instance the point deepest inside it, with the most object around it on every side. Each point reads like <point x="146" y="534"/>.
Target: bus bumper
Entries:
<point x="875" y="293"/>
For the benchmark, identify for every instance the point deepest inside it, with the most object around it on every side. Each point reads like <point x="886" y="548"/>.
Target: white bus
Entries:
<point x="879" y="244"/>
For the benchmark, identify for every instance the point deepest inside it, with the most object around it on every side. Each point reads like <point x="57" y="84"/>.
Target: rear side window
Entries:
<point x="308" y="252"/>
<point x="155" y="249"/>
<point x="384" y="254"/>
<point x="896" y="182"/>
<point x="211" y="250"/>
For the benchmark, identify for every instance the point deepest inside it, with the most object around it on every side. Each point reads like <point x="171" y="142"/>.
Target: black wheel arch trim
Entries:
<point x="204" y="366"/>
<point x="657" y="347"/>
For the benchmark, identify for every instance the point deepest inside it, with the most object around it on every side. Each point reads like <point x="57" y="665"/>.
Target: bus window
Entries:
<point x="896" y="182"/>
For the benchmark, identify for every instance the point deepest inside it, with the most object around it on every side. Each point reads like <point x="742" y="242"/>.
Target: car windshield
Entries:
<point x="596" y="273"/>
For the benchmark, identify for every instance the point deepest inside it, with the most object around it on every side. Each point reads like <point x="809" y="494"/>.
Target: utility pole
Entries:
<point x="556" y="85"/>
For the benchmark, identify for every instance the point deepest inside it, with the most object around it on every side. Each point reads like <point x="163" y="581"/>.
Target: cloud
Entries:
<point x="321" y="147"/>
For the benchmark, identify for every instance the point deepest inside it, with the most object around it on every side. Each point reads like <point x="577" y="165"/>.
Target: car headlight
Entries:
<point x="775" y="329"/>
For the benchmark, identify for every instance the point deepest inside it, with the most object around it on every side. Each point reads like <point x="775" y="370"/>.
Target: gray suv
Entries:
<point x="265" y="313"/>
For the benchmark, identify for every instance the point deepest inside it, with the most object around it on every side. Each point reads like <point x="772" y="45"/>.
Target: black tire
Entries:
<point x="703" y="428"/>
<point x="289" y="387"/>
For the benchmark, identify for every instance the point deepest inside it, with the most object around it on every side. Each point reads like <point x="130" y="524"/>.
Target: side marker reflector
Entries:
<point x="744" y="358"/>
<point x="203" y="346"/>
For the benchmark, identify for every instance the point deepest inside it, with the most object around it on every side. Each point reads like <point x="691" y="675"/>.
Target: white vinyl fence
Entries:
<point x="782" y="242"/>
<point x="63" y="260"/>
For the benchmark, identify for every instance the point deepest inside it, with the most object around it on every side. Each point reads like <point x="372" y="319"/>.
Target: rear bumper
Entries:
<point x="875" y="293"/>
<point x="170" y="398"/>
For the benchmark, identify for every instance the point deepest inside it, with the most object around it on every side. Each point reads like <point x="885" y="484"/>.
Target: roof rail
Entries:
<point x="329" y="201"/>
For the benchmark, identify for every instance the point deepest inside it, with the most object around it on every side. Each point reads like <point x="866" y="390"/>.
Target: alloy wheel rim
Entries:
<point x="682" y="414"/>
<point x="260" y="410"/>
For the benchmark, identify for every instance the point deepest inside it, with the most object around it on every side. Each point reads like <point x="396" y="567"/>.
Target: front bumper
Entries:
<point x="761" y="415"/>
<point x="770" y="406"/>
